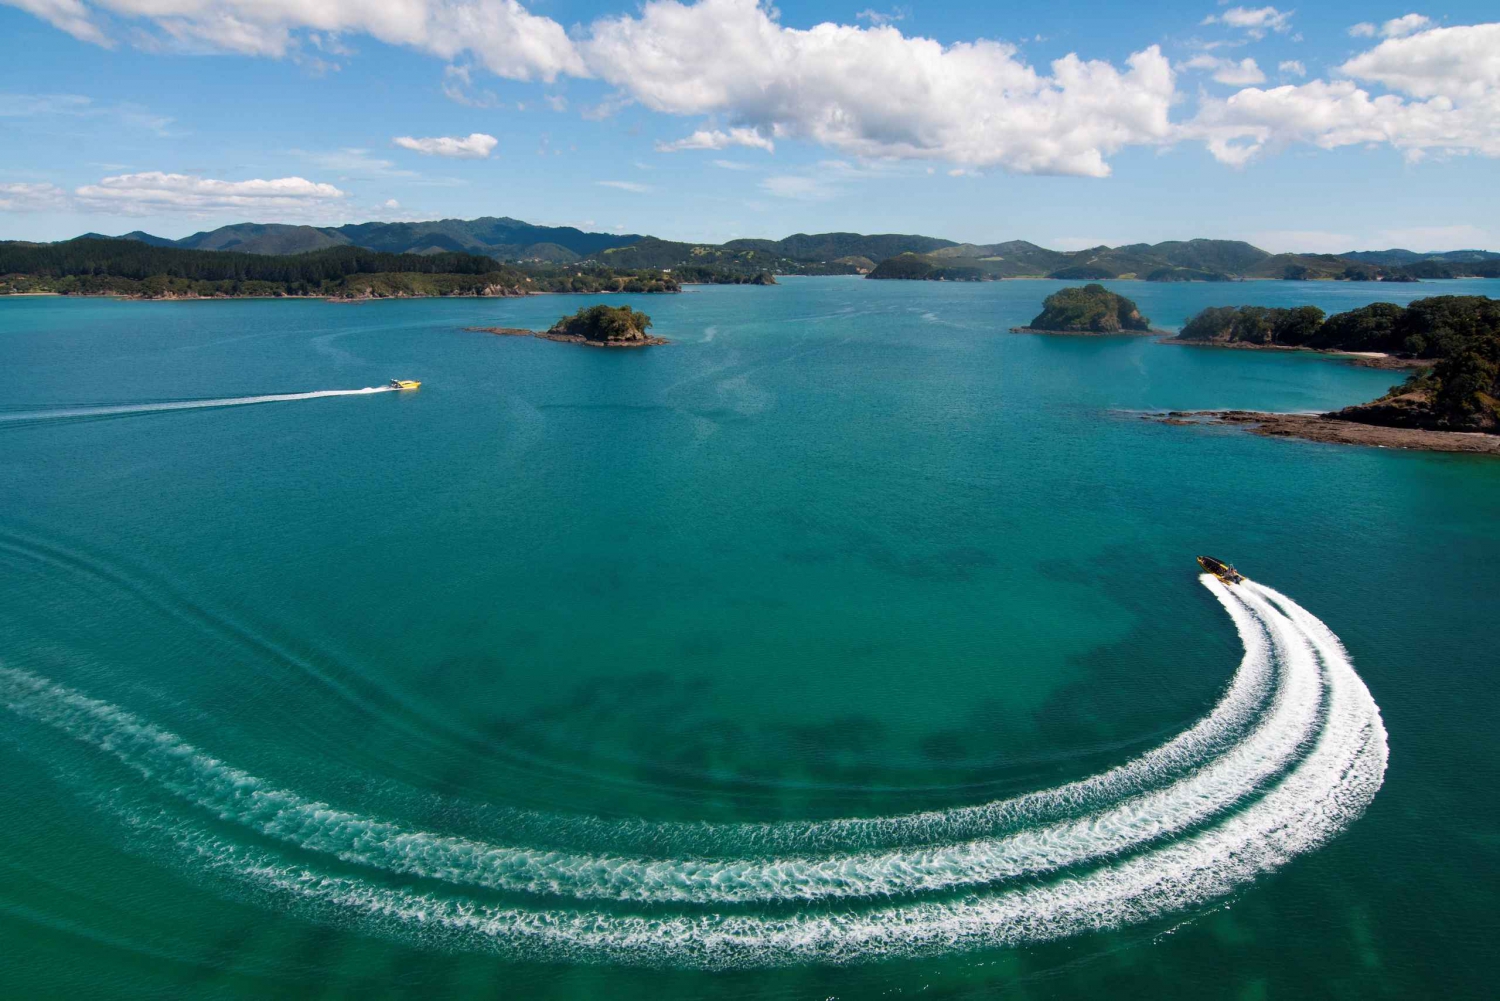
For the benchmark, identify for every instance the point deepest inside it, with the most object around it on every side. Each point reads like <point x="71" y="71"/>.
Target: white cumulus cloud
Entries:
<point x="1396" y="27"/>
<point x="501" y="34"/>
<point x="154" y="191"/>
<point x="18" y="197"/>
<point x="1400" y="27"/>
<point x="875" y="92"/>
<point x="475" y="146"/>
<point x="716" y="139"/>
<point x="1228" y="71"/>
<point x="867" y="91"/>
<point x="1254" y="21"/>
<point x="1462" y="63"/>
<point x="73" y="16"/>
<point x="1447" y="101"/>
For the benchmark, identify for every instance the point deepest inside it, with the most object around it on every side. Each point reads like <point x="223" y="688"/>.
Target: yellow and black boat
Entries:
<point x="404" y="384"/>
<point x="1223" y="571"/>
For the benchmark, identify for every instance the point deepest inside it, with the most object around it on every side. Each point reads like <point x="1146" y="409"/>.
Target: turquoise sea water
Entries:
<point x="429" y="694"/>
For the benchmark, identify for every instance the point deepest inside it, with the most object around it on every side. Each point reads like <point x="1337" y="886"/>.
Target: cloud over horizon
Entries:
<point x="872" y="92"/>
<point x="155" y="191"/>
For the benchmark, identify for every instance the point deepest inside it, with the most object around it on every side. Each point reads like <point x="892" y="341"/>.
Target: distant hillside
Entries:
<point x="1012" y="259"/>
<point x="822" y="253"/>
<point x="136" y="235"/>
<point x="496" y="237"/>
<point x="502" y="239"/>
<point x="887" y="255"/>
<point x="104" y="266"/>
<point x="267" y="238"/>
<point x="1178" y="260"/>
<point x="828" y="246"/>
<point x="1400" y="258"/>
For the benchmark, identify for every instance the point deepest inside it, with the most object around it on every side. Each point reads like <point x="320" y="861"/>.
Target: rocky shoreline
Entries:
<point x="1329" y="428"/>
<point x="548" y="335"/>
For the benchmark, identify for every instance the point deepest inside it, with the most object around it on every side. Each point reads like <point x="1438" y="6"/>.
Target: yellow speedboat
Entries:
<point x="1220" y="569"/>
<point x="404" y="384"/>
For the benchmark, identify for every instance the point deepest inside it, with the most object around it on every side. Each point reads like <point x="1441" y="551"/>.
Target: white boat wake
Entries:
<point x="113" y="410"/>
<point x="1293" y="752"/>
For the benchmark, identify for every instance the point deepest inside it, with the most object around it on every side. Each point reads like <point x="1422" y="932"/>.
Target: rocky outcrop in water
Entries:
<point x="1089" y="309"/>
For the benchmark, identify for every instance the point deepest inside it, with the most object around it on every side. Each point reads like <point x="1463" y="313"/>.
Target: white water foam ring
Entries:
<point x="1322" y="794"/>
<point x="236" y="796"/>
<point x="1327" y="791"/>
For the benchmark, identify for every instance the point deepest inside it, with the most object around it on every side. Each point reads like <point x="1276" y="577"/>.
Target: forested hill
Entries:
<point x="887" y="255"/>
<point x="131" y="267"/>
<point x="134" y="259"/>
<point x="499" y="238"/>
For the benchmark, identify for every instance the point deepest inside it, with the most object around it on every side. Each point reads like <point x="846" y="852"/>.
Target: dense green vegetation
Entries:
<point x="1263" y="325"/>
<point x="1460" y="334"/>
<point x="1176" y="260"/>
<point x="133" y="259"/>
<point x="749" y="257"/>
<point x="502" y="239"/>
<point x="1176" y="274"/>
<point x="1401" y="258"/>
<point x="128" y="267"/>
<point x="1453" y="269"/>
<point x="917" y="266"/>
<point x="513" y="241"/>
<point x="604" y="324"/>
<point x="697" y="274"/>
<point x="1089" y="309"/>
<point x="1187" y="260"/>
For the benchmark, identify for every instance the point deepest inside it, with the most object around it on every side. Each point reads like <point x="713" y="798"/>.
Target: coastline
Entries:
<point x="1091" y="333"/>
<point x="1333" y="430"/>
<point x="126" y="296"/>
<point x="547" y="335"/>
<point x="1364" y="359"/>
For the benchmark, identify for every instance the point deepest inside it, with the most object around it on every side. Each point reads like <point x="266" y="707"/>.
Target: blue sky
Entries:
<point x="1069" y="124"/>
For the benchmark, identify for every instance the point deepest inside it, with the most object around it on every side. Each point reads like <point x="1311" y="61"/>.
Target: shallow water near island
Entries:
<point x="574" y="659"/>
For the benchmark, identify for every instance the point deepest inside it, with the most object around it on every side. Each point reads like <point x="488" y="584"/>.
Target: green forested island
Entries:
<point x="1089" y="309"/>
<point x="1458" y="334"/>
<point x="597" y="326"/>
<point x="611" y="325"/>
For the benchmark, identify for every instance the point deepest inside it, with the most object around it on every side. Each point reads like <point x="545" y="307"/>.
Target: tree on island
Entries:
<point x="1255" y="325"/>
<point x="605" y="324"/>
<point x="1091" y="309"/>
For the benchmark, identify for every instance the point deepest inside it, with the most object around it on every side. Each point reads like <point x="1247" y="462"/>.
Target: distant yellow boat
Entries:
<point x="404" y="384"/>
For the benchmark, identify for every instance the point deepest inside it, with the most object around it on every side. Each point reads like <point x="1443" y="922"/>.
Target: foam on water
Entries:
<point x="1274" y="776"/>
<point x="115" y="410"/>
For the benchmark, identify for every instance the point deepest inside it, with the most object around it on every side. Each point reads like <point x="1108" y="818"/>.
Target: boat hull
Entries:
<point x="1221" y="570"/>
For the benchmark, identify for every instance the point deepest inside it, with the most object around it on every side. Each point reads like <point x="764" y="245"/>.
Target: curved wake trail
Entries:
<point x="64" y="413"/>
<point x="1291" y="755"/>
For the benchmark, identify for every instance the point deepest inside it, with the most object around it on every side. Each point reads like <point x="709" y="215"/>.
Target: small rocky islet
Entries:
<point x="597" y="326"/>
<point x="1088" y="310"/>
